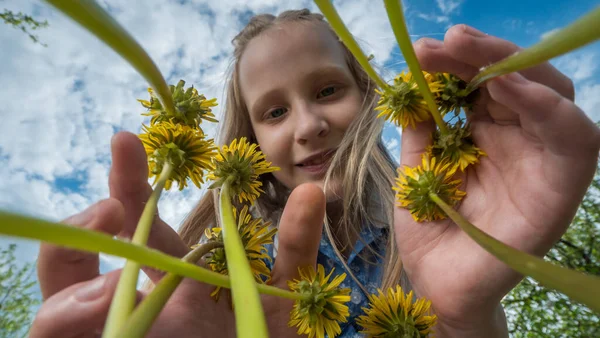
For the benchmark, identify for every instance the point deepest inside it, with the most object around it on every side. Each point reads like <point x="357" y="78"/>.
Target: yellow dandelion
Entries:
<point x="413" y="186"/>
<point x="190" y="108"/>
<point x="453" y="94"/>
<point x="185" y="148"/>
<point x="456" y="146"/>
<point x="395" y="315"/>
<point x="255" y="234"/>
<point x="404" y="104"/>
<point x="240" y="162"/>
<point x="325" y="307"/>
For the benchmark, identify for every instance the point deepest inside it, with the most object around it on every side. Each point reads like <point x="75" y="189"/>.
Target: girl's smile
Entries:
<point x="317" y="163"/>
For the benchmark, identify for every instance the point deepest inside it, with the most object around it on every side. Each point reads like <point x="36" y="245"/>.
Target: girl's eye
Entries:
<point x="275" y="113"/>
<point x="327" y="92"/>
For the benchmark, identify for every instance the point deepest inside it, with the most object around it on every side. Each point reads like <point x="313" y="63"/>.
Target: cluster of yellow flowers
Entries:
<point x="452" y="149"/>
<point x="255" y="235"/>
<point x="177" y="138"/>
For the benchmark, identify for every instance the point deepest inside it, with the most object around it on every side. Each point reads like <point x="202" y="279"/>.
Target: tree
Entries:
<point x="24" y="22"/>
<point x="17" y="298"/>
<point x="535" y="311"/>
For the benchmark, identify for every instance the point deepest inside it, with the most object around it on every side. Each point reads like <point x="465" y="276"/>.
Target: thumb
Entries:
<point x="59" y="267"/>
<point x="128" y="178"/>
<point x="77" y="311"/>
<point x="128" y="183"/>
<point x="299" y="233"/>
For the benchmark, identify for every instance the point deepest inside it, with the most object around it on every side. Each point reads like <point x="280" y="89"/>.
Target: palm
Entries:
<point x="517" y="194"/>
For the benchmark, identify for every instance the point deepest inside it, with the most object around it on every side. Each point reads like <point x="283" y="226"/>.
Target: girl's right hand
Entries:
<point x="77" y="297"/>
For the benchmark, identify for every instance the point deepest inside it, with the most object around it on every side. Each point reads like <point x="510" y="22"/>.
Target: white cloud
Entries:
<point x="513" y="24"/>
<point x="434" y="18"/>
<point x="448" y="6"/>
<point x="579" y="65"/>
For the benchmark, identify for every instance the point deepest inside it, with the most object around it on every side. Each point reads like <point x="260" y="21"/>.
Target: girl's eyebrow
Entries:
<point x="327" y="70"/>
<point x="264" y="99"/>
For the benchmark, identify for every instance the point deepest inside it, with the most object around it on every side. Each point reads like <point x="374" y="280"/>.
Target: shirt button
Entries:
<point x="356" y="296"/>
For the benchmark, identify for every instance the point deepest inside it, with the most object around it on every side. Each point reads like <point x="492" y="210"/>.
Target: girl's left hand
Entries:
<point x="542" y="153"/>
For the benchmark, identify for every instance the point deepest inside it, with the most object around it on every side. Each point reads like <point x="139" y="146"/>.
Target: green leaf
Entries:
<point x="142" y="318"/>
<point x="92" y="241"/>
<point x="249" y="314"/>
<point x="342" y="31"/>
<point x="396" y="17"/>
<point x="580" y="287"/>
<point x="125" y="294"/>
<point x="580" y="33"/>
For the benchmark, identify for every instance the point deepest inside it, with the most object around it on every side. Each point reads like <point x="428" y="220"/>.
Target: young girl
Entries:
<point x="301" y="95"/>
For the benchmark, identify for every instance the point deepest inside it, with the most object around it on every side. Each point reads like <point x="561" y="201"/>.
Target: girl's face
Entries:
<point x="301" y="97"/>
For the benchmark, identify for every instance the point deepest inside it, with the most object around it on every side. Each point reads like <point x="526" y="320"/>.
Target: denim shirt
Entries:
<point x="366" y="272"/>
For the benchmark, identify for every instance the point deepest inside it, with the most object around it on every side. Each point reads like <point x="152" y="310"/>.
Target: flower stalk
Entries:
<point x="396" y="16"/>
<point x="144" y="315"/>
<point x="580" y="33"/>
<point x="97" y="242"/>
<point x="97" y="21"/>
<point x="342" y="31"/>
<point x="578" y="286"/>
<point x="124" y="298"/>
<point x="249" y="315"/>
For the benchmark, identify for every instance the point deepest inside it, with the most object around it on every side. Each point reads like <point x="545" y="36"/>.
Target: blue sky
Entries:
<point x="54" y="149"/>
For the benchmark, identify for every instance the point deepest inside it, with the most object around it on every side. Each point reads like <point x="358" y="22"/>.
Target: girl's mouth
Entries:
<point x="317" y="163"/>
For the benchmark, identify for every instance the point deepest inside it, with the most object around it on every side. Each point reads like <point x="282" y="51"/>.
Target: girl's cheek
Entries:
<point x="274" y="145"/>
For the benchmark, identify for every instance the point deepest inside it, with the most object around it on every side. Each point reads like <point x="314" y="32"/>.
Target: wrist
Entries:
<point x="490" y="325"/>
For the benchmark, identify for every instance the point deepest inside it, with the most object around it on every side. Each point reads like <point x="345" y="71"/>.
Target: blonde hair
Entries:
<point x="361" y="162"/>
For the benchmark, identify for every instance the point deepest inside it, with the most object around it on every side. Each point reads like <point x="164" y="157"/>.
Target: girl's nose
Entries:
<point x="312" y="125"/>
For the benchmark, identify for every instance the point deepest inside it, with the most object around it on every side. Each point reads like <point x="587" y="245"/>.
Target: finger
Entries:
<point x="477" y="49"/>
<point x="128" y="178"/>
<point x="562" y="128"/>
<point x="60" y="267"/>
<point x="80" y="310"/>
<point x="128" y="183"/>
<point x="299" y="233"/>
<point x="415" y="142"/>
<point x="434" y="57"/>
<point x="500" y="113"/>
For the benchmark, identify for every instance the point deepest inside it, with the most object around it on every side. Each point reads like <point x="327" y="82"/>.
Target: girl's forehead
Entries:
<point x="289" y="49"/>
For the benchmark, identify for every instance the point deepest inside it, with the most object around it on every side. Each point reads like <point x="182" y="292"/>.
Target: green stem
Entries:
<point x="396" y="16"/>
<point x="96" y="242"/>
<point x="580" y="287"/>
<point x="144" y="315"/>
<point x="342" y="31"/>
<point x="98" y="22"/>
<point x="580" y="33"/>
<point x="124" y="298"/>
<point x="249" y="315"/>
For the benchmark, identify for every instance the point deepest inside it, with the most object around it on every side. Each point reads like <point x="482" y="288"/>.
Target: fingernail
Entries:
<point x="516" y="78"/>
<point x="92" y="290"/>
<point x="431" y="43"/>
<point x="83" y="217"/>
<point x="474" y="32"/>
